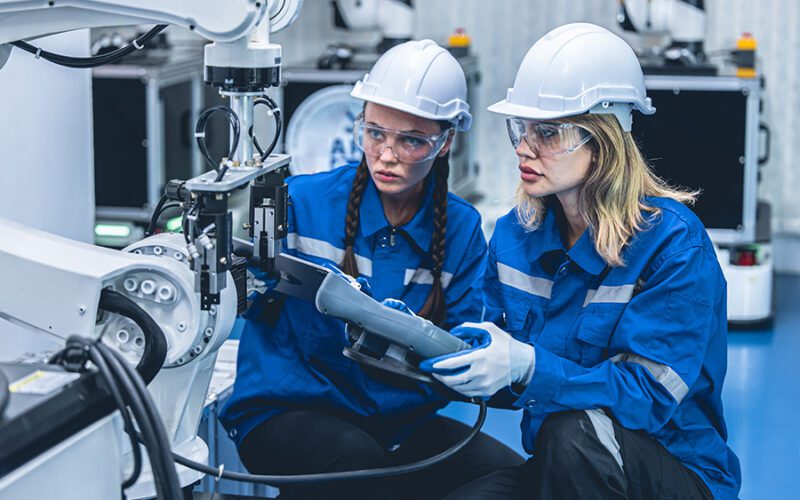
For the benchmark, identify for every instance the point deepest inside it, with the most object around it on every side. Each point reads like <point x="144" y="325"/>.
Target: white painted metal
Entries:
<point x="63" y="471"/>
<point x="25" y="19"/>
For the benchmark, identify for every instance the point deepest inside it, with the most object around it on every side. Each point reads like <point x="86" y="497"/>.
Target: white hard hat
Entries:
<point x="420" y="78"/>
<point x="574" y="69"/>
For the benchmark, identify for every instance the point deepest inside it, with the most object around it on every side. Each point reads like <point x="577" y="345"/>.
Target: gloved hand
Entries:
<point x="259" y="282"/>
<point x="360" y="283"/>
<point x="496" y="360"/>
<point x="399" y="305"/>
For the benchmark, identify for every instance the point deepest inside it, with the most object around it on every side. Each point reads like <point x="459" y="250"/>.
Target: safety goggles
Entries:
<point x="408" y="147"/>
<point x="547" y="139"/>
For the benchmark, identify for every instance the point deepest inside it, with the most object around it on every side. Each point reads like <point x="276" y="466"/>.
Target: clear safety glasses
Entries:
<point x="547" y="139"/>
<point x="408" y="147"/>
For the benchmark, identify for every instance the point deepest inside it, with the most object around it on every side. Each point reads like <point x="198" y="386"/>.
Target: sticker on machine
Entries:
<point x="41" y="382"/>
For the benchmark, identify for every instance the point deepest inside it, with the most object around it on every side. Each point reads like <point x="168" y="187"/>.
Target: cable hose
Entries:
<point x="93" y="61"/>
<point x="155" y="346"/>
<point x="344" y="475"/>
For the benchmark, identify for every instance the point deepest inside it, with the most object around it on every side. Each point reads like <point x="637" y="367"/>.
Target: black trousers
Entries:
<point x="307" y="442"/>
<point x="571" y="462"/>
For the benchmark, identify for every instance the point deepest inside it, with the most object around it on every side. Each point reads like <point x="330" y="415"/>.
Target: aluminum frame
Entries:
<point x="751" y="88"/>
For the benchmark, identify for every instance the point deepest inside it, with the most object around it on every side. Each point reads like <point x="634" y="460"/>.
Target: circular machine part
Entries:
<point x="282" y="13"/>
<point x="320" y="134"/>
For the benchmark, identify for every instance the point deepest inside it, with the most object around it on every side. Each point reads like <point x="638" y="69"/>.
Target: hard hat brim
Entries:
<point x="509" y="109"/>
<point x="462" y="119"/>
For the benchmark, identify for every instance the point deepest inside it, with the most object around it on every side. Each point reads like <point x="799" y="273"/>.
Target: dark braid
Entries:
<point x="435" y="308"/>
<point x="348" y="264"/>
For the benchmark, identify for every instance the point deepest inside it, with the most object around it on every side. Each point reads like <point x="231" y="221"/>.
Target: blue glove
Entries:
<point x="495" y="361"/>
<point x="477" y="338"/>
<point x="259" y="282"/>
<point x="399" y="305"/>
<point x="360" y="283"/>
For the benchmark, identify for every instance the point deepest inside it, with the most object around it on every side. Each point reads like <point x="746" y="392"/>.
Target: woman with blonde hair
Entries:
<point x="605" y="300"/>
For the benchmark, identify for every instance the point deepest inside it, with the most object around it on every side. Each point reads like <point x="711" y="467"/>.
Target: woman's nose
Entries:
<point x="388" y="157"/>
<point x="523" y="149"/>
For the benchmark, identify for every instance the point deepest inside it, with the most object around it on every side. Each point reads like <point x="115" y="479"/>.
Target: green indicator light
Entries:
<point x="116" y="230"/>
<point x="175" y="224"/>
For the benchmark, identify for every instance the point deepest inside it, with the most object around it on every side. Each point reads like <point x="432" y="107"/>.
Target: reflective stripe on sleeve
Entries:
<point x="665" y="375"/>
<point x="324" y="250"/>
<point x="517" y="279"/>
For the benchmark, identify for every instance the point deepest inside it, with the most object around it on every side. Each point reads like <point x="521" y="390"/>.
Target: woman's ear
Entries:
<point x="447" y="143"/>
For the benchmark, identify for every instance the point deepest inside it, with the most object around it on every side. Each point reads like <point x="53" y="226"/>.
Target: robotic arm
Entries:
<point x="683" y="20"/>
<point x="54" y="285"/>
<point x="394" y="19"/>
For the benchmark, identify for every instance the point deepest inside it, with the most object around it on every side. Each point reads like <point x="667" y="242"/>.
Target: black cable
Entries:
<point x="152" y="430"/>
<point x="200" y="135"/>
<point x="105" y="371"/>
<point x="164" y="447"/>
<point x="151" y="227"/>
<point x="128" y="391"/>
<point x="155" y="346"/>
<point x="161" y="207"/>
<point x="93" y="61"/>
<point x="4" y="393"/>
<point x="276" y="113"/>
<point x="344" y="475"/>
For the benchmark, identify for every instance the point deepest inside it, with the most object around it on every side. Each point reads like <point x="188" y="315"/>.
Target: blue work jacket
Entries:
<point x="645" y="341"/>
<point x="292" y="359"/>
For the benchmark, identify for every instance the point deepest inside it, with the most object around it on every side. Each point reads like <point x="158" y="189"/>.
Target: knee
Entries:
<point x="354" y="449"/>
<point x="562" y="438"/>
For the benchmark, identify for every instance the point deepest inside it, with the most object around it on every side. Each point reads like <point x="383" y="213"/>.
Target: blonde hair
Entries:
<point x="612" y="197"/>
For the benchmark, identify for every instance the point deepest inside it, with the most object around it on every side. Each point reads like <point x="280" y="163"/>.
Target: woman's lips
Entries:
<point x="528" y="174"/>
<point x="386" y="176"/>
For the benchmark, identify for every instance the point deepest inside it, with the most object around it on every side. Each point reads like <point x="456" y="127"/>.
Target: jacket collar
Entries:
<point x="582" y="253"/>
<point x="419" y="228"/>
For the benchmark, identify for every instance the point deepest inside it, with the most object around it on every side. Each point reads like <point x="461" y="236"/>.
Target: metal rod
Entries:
<point x="242" y="105"/>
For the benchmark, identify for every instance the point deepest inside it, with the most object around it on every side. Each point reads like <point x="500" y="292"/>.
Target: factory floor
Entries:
<point x="761" y="398"/>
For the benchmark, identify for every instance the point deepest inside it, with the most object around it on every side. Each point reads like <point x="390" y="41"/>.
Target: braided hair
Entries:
<point x="435" y="307"/>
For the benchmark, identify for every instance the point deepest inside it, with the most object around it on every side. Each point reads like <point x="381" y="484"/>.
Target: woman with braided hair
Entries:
<point x="299" y="405"/>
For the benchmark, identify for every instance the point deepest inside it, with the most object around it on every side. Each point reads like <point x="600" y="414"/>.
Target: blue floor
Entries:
<point x="761" y="397"/>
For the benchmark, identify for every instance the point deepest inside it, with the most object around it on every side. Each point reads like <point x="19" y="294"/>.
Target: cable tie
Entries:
<point x="271" y="112"/>
<point x="200" y="135"/>
<point x="136" y="44"/>
<point x="221" y="470"/>
<point x="38" y="52"/>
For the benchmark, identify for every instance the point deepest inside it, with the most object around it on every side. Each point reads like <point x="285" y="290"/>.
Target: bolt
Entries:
<point x="209" y="331"/>
<point x="197" y="349"/>
<point x="181" y="326"/>
<point x="148" y="287"/>
<point x="212" y="310"/>
<point x="166" y="293"/>
<point x="158" y="250"/>
<point x="123" y="336"/>
<point x="130" y="284"/>
<point x="82" y="310"/>
<point x="223" y="260"/>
